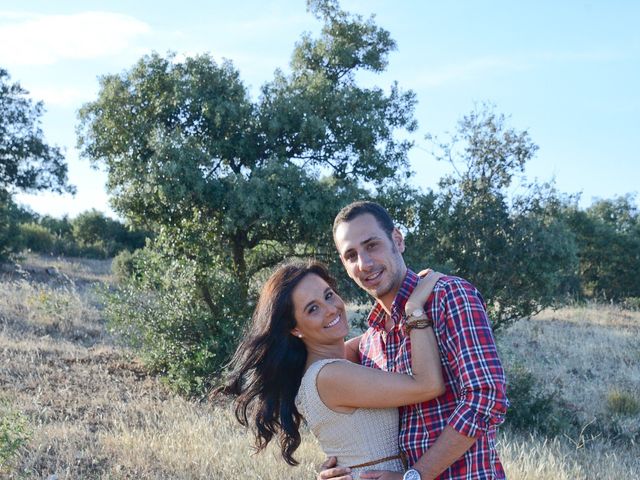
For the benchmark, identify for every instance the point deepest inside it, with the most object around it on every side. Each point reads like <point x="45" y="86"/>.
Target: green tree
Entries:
<point x="98" y="235"/>
<point x="9" y="229"/>
<point x="608" y="236"/>
<point x="233" y="185"/>
<point x="514" y="248"/>
<point x="27" y="162"/>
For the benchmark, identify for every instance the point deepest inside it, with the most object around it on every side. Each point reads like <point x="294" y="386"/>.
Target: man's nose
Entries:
<point x="364" y="261"/>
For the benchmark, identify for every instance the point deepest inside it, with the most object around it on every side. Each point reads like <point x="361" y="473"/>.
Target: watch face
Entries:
<point x="417" y="312"/>
<point x="411" y="475"/>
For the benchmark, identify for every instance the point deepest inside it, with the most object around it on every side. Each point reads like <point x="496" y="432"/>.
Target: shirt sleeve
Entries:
<point x="473" y="358"/>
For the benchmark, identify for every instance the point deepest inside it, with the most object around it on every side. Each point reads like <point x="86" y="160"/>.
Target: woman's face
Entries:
<point x="319" y="312"/>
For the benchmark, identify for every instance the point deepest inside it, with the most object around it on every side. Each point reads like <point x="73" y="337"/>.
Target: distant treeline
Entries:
<point x="90" y="234"/>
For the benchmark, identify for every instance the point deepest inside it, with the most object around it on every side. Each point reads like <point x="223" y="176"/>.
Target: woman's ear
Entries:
<point x="296" y="333"/>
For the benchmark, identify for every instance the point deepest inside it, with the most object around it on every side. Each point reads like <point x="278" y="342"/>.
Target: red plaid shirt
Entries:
<point x="474" y="402"/>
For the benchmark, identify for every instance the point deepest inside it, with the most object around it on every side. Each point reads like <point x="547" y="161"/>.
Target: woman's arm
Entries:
<point x="352" y="349"/>
<point x="343" y="384"/>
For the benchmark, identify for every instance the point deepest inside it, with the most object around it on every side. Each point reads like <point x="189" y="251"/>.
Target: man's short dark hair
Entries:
<point x="356" y="209"/>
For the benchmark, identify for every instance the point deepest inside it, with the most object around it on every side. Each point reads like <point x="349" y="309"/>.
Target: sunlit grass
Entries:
<point x="94" y="413"/>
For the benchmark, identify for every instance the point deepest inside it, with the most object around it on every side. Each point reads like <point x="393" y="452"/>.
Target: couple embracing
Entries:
<point x="418" y="396"/>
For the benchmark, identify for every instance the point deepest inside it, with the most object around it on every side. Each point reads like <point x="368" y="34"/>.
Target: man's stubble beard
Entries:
<point x="396" y="282"/>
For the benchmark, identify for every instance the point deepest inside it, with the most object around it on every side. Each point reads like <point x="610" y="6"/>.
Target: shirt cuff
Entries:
<point x="468" y="422"/>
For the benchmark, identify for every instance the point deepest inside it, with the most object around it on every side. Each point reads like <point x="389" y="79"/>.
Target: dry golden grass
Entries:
<point x="96" y="414"/>
<point x="530" y="458"/>
<point x="586" y="354"/>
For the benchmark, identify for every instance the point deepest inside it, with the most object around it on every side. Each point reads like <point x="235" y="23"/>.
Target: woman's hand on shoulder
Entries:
<point x="423" y="290"/>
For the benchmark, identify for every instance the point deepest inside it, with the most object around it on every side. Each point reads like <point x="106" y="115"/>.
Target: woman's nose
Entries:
<point x="332" y="309"/>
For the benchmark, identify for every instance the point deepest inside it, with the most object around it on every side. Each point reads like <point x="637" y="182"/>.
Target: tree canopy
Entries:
<point x="27" y="162"/>
<point x="182" y="139"/>
<point x="232" y="185"/>
<point x="517" y="249"/>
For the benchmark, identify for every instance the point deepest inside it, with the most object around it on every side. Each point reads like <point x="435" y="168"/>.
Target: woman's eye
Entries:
<point x="312" y="308"/>
<point x="329" y="295"/>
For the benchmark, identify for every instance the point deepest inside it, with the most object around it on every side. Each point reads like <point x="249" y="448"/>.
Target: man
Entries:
<point x="452" y="436"/>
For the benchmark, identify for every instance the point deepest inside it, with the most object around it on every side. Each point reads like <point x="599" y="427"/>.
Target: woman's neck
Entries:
<point x="322" y="352"/>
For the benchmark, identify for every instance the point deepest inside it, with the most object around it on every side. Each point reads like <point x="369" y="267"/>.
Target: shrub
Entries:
<point x="533" y="409"/>
<point x="14" y="435"/>
<point x="620" y="402"/>
<point x="98" y="236"/>
<point x="631" y="303"/>
<point x="60" y="227"/>
<point x="10" y="217"/>
<point x="122" y="265"/>
<point x="184" y="322"/>
<point x="37" y="238"/>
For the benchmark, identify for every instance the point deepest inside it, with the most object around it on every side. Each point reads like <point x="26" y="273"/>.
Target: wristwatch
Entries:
<point x="411" y="474"/>
<point x="417" y="319"/>
<point x="416" y="314"/>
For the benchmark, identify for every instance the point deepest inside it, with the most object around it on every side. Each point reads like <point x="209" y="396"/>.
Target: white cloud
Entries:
<point x="47" y="39"/>
<point x="62" y="96"/>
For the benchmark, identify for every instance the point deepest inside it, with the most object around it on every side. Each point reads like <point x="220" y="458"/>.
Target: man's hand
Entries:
<point x="328" y="472"/>
<point x="381" y="475"/>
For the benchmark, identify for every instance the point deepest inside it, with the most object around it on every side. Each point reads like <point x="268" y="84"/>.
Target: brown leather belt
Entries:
<point x="401" y="456"/>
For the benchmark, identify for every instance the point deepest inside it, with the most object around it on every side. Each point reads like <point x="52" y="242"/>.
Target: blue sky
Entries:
<point x="568" y="71"/>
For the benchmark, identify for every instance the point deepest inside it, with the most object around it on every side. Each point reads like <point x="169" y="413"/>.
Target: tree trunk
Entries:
<point x="206" y="295"/>
<point x="240" y="263"/>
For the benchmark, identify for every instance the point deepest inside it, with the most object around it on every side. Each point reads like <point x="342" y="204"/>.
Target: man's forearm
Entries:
<point x="449" y="447"/>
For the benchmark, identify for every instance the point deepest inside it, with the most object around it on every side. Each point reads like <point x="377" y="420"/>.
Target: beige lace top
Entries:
<point x="365" y="435"/>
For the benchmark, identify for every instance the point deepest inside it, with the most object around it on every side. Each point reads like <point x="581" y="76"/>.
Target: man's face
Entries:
<point x="371" y="259"/>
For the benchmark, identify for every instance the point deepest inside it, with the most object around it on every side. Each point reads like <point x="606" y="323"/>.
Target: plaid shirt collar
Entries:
<point x="378" y="314"/>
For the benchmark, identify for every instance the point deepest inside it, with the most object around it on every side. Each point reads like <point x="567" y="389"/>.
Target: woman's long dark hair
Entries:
<point x="266" y="369"/>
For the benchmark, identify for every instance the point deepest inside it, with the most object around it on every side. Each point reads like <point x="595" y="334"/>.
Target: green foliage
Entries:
<point x="60" y="227"/>
<point x="14" y="435"/>
<point x="99" y="236"/>
<point x="532" y="408"/>
<point x="184" y="324"/>
<point x="608" y="237"/>
<point x="9" y="232"/>
<point x="37" y="238"/>
<point x="122" y="265"/>
<point x="91" y="234"/>
<point x="517" y="251"/>
<point x="92" y="226"/>
<point x="232" y="186"/>
<point x="631" y="303"/>
<point x="26" y="161"/>
<point x="620" y="402"/>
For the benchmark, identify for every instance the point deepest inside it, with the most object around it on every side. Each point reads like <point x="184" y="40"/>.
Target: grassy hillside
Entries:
<point x="77" y="406"/>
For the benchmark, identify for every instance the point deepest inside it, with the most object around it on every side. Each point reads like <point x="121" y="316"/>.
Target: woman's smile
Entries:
<point x="333" y="322"/>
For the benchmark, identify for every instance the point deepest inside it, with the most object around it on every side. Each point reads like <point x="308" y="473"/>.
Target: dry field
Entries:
<point x="91" y="411"/>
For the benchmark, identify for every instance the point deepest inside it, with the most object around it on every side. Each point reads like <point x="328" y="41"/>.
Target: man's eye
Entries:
<point x="312" y="308"/>
<point x="329" y="295"/>
<point x="351" y="257"/>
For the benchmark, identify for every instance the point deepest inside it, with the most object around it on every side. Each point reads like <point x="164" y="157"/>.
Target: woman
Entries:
<point x="293" y="364"/>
